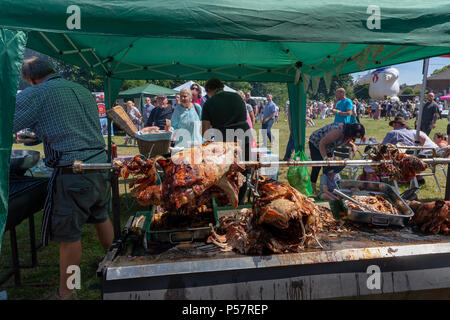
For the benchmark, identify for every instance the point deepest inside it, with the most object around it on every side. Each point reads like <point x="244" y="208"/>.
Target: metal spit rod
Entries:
<point x="79" y="166"/>
<point x="333" y="163"/>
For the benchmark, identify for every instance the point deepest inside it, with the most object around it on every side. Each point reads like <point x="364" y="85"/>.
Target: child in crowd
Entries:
<point x="369" y="175"/>
<point x="328" y="184"/>
<point x="441" y="140"/>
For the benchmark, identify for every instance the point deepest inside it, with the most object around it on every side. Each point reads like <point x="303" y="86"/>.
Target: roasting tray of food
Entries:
<point x="393" y="210"/>
<point x="177" y="228"/>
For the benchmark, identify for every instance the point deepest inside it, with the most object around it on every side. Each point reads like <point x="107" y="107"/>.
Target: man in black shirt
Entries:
<point x="253" y="103"/>
<point x="226" y="112"/>
<point x="223" y="110"/>
<point x="160" y="114"/>
<point x="430" y="114"/>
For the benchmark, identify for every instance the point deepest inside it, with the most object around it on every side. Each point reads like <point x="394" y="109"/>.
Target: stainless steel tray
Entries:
<point x="175" y="236"/>
<point x="363" y="188"/>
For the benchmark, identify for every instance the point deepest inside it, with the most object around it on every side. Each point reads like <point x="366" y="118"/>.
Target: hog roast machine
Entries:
<point x="409" y="264"/>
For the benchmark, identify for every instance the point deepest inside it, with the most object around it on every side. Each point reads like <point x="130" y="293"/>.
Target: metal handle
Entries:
<point x="346" y="197"/>
<point x="175" y="242"/>
<point x="380" y="221"/>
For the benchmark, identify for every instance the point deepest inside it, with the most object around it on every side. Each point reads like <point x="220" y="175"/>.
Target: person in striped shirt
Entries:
<point x="64" y="115"/>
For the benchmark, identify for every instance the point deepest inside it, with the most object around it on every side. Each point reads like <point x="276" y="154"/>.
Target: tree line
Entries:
<point x="279" y="91"/>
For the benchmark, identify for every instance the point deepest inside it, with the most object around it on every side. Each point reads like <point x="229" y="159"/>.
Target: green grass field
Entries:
<point x="92" y="251"/>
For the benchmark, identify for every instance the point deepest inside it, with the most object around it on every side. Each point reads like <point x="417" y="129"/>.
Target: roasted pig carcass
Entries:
<point x="191" y="177"/>
<point x="288" y="211"/>
<point x="236" y="229"/>
<point x="195" y="175"/>
<point x="404" y="167"/>
<point x="376" y="203"/>
<point x="433" y="217"/>
<point x="281" y="220"/>
<point x="144" y="187"/>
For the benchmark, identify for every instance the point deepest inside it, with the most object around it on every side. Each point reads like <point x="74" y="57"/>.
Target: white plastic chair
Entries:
<point x="427" y="154"/>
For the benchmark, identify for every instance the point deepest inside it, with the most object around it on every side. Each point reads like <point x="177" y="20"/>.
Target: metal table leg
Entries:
<point x="16" y="266"/>
<point x="15" y="257"/>
<point x="115" y="203"/>
<point x="33" y="248"/>
<point x="447" y="186"/>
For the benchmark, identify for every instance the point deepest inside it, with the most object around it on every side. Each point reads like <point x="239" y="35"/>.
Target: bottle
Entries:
<point x="113" y="151"/>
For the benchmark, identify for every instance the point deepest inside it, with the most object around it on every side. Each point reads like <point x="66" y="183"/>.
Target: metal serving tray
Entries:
<point x="176" y="235"/>
<point x="364" y="188"/>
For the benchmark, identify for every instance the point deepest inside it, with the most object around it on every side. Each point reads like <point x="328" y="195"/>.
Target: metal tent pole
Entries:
<point x="422" y="93"/>
<point x="414" y="182"/>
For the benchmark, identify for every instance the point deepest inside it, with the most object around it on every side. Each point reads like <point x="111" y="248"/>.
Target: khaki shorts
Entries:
<point x="79" y="199"/>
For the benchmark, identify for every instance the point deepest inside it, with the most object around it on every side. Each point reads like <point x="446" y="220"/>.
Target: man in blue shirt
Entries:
<point x="268" y="118"/>
<point x="403" y="134"/>
<point x="342" y="107"/>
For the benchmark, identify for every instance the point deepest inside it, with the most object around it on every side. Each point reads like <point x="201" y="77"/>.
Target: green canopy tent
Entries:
<point x="147" y="90"/>
<point x="296" y="42"/>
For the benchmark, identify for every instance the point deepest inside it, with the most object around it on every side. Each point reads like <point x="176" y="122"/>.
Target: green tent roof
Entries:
<point x="405" y="22"/>
<point x="149" y="89"/>
<point x="234" y="40"/>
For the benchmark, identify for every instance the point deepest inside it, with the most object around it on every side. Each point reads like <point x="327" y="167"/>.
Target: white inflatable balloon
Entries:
<point x="383" y="83"/>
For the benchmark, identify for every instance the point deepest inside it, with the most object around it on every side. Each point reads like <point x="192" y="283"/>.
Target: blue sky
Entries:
<point x="411" y="72"/>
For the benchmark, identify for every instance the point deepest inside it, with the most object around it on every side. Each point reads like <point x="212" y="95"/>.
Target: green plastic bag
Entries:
<point x="298" y="177"/>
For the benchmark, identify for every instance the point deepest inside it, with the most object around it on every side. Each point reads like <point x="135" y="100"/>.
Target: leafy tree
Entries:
<point x="278" y="90"/>
<point x="244" y="86"/>
<point x="349" y="93"/>
<point x="361" y="91"/>
<point x="342" y="81"/>
<point x="408" y="90"/>
<point x="130" y="84"/>
<point x="441" y="69"/>
<point x="86" y="78"/>
<point x="94" y="82"/>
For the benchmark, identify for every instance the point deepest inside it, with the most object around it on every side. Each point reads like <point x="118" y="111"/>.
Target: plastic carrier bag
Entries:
<point x="298" y="177"/>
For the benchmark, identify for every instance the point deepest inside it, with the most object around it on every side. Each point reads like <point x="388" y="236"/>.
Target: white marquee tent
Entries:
<point x="189" y="83"/>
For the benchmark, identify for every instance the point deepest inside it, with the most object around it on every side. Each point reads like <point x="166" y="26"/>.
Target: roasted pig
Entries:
<point x="404" y="167"/>
<point x="376" y="203"/>
<point x="191" y="177"/>
<point x="433" y="217"/>
<point x="282" y="220"/>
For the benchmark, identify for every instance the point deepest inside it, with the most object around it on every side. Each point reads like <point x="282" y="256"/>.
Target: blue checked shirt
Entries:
<point x="64" y="115"/>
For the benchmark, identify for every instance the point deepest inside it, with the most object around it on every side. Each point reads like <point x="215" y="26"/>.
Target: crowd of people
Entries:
<point x="374" y="109"/>
<point x="346" y="128"/>
<point x="159" y="114"/>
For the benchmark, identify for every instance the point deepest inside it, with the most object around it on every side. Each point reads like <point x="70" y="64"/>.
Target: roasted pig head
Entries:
<point x="280" y="204"/>
<point x="190" y="179"/>
<point x="189" y="174"/>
